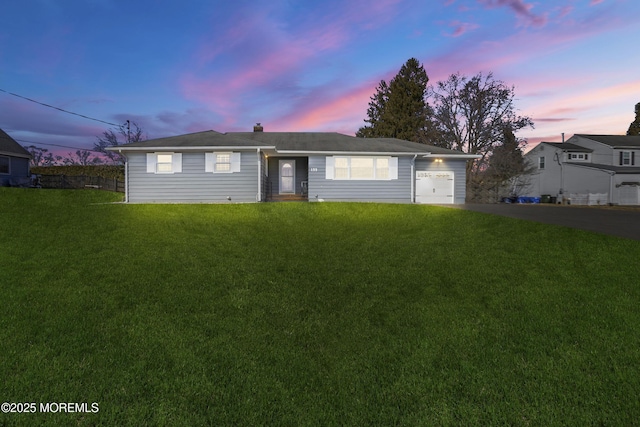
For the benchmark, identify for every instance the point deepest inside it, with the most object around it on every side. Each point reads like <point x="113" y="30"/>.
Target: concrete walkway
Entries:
<point x="615" y="221"/>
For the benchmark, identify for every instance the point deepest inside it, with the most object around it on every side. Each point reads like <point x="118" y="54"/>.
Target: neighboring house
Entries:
<point x="603" y="165"/>
<point x="14" y="162"/>
<point x="270" y="166"/>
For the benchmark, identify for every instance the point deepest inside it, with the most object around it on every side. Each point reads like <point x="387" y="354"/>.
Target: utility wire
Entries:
<point x="57" y="108"/>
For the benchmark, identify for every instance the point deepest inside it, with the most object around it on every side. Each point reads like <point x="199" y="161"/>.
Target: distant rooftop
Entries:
<point x="10" y="146"/>
<point x="615" y="141"/>
<point x="567" y="146"/>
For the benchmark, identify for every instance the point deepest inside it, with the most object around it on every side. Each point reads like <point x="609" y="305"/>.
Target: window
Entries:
<point x="541" y="162"/>
<point x="578" y="156"/>
<point x="222" y="162"/>
<point x="164" y="163"/>
<point x="361" y="168"/>
<point x="382" y="168"/>
<point x="341" y="168"/>
<point x="627" y="158"/>
<point x="5" y="165"/>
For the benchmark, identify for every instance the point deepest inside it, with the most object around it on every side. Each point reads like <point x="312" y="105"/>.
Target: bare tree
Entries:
<point x="81" y="157"/>
<point x="122" y="135"/>
<point x="42" y="157"/>
<point x="472" y="113"/>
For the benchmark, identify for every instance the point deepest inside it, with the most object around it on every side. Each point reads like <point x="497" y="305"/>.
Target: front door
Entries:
<point x="434" y="187"/>
<point x="287" y="176"/>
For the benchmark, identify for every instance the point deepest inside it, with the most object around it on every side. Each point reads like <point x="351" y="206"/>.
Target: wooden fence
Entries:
<point x="81" y="181"/>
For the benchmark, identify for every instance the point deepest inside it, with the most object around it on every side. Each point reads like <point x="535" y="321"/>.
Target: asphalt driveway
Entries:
<point x="615" y="221"/>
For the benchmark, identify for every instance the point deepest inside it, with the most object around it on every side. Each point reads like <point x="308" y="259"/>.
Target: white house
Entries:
<point x="587" y="169"/>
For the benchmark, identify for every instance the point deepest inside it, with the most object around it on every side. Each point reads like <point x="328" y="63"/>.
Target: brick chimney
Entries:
<point x="258" y="128"/>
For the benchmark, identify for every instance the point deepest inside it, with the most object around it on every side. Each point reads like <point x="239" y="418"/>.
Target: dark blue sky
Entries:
<point x="185" y="66"/>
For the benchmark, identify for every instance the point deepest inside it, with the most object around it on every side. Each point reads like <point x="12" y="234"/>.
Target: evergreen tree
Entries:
<point x="634" y="127"/>
<point x="398" y="109"/>
<point x="506" y="173"/>
<point x="375" y="111"/>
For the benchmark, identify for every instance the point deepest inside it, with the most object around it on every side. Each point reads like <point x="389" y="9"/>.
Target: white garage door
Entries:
<point x="434" y="187"/>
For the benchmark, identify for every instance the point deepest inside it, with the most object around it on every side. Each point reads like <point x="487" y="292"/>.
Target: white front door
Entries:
<point x="434" y="187"/>
<point x="287" y="176"/>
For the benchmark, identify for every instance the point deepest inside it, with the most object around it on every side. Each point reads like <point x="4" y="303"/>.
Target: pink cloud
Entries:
<point x="521" y="9"/>
<point x="262" y="59"/>
<point x="344" y="112"/>
<point x="604" y="95"/>
<point x="460" y="28"/>
<point x="595" y="2"/>
<point x="552" y="119"/>
<point x="564" y="11"/>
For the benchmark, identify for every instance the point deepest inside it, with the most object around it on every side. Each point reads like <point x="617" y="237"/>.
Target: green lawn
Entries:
<point x="311" y="314"/>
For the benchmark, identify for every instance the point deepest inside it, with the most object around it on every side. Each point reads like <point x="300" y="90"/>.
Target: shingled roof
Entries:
<point x="209" y="138"/>
<point x="569" y="147"/>
<point x="615" y="141"/>
<point x="298" y="142"/>
<point x="10" y="147"/>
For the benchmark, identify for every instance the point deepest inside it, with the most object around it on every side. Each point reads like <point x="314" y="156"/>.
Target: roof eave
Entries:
<point x="357" y="153"/>
<point x="183" y="148"/>
<point x="12" y="154"/>
<point x="455" y="156"/>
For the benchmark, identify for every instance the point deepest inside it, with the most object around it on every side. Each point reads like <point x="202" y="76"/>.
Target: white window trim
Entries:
<point x="541" y="162"/>
<point x="210" y="161"/>
<point x="330" y="171"/>
<point x="581" y="157"/>
<point x="8" y="165"/>
<point x="152" y="163"/>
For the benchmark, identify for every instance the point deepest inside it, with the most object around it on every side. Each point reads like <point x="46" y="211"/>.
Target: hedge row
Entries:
<point x="104" y="171"/>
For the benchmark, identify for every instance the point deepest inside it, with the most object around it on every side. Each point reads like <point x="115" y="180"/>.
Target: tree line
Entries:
<point x="97" y="156"/>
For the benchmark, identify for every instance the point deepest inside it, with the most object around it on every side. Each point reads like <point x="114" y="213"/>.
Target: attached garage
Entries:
<point x="435" y="187"/>
<point x="629" y="193"/>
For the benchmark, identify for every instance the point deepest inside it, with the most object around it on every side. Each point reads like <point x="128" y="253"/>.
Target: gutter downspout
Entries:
<point x="413" y="178"/>
<point x="259" y="195"/>
<point x="611" y="187"/>
<point x="126" y="178"/>
<point x="559" y="157"/>
<point x="126" y="181"/>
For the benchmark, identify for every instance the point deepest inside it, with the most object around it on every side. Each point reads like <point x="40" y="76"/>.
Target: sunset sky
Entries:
<point x="185" y="66"/>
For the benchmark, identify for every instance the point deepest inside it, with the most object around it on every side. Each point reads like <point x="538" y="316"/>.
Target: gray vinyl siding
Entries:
<point x="392" y="191"/>
<point x="18" y="168"/>
<point x="459" y="169"/>
<point x="193" y="184"/>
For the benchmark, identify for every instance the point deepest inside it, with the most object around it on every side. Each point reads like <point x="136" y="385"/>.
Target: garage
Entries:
<point x="434" y="187"/>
